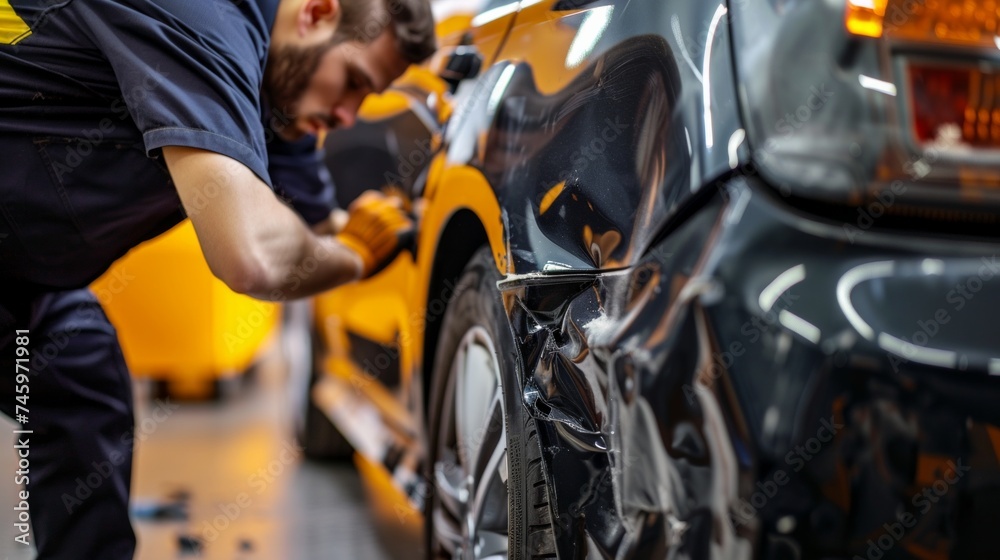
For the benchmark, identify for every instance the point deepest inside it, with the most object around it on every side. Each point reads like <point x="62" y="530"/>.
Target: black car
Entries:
<point x="699" y="279"/>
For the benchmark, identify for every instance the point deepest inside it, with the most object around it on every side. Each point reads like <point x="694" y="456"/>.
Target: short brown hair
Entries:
<point x="365" y="20"/>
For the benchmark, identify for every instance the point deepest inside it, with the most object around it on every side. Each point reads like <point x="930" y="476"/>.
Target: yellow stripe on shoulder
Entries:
<point x="12" y="27"/>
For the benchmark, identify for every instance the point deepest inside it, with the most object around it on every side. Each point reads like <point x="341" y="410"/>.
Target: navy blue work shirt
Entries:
<point x="90" y="90"/>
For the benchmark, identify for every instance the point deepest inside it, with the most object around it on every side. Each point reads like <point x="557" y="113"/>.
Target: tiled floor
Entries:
<point x="250" y="494"/>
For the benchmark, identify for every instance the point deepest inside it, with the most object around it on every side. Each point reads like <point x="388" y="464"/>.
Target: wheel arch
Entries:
<point x="462" y="215"/>
<point x="461" y="237"/>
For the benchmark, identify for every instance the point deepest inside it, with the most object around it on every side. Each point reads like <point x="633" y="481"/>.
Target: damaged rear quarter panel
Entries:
<point x="610" y="364"/>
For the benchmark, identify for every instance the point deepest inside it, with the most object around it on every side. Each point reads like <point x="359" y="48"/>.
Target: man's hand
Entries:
<point x="377" y="230"/>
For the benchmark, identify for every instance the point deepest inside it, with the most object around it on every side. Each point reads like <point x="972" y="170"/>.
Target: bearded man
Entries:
<point x="118" y="118"/>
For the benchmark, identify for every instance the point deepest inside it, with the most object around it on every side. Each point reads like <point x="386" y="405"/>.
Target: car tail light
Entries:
<point x="956" y="104"/>
<point x="910" y="112"/>
<point x="952" y="22"/>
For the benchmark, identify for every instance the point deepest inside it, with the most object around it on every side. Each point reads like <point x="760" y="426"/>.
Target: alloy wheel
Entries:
<point x="470" y="473"/>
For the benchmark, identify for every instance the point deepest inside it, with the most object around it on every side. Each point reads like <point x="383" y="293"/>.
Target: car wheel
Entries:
<point x="489" y="498"/>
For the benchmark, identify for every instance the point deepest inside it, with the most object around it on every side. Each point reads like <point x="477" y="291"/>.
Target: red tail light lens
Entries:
<point x="956" y="105"/>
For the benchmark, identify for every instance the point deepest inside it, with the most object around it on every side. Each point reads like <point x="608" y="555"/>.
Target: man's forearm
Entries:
<point x="320" y="264"/>
<point x="252" y="242"/>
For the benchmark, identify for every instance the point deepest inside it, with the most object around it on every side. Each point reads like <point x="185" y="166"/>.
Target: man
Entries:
<point x="117" y="118"/>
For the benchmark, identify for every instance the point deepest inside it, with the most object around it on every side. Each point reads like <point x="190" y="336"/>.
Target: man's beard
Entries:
<point x="286" y="76"/>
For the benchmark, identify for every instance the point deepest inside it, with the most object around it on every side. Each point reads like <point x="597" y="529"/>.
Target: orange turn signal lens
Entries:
<point x="865" y="17"/>
<point x="954" y="22"/>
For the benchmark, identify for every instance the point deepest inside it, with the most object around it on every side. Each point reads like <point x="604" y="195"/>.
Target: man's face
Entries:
<point x="329" y="96"/>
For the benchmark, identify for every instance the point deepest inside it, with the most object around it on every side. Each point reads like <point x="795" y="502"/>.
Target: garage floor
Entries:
<point x="247" y="491"/>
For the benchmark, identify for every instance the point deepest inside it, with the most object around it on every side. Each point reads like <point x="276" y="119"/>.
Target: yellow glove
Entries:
<point x="377" y="230"/>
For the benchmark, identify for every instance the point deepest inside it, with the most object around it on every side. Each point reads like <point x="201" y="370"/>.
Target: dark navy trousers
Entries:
<point x="80" y="411"/>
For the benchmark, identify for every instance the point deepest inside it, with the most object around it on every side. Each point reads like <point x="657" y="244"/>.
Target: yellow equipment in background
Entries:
<point x="179" y="325"/>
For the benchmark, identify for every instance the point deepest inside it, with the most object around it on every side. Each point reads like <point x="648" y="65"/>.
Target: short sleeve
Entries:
<point x="190" y="72"/>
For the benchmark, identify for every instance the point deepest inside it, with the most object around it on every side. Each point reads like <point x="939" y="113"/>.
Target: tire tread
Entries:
<point x="538" y="521"/>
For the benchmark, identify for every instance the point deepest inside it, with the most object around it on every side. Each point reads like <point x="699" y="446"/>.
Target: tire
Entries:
<point x="505" y="513"/>
<point x="533" y="536"/>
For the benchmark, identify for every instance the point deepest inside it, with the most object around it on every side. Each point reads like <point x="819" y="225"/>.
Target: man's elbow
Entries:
<point x="251" y="277"/>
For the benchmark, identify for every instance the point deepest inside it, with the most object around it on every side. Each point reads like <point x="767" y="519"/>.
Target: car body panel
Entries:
<point x="490" y="27"/>
<point x="602" y="74"/>
<point x="681" y="415"/>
